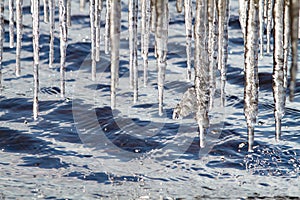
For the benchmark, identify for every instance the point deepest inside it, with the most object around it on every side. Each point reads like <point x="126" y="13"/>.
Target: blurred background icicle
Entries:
<point x="82" y="5"/>
<point x="11" y="23"/>
<point x="161" y="42"/>
<point x="278" y="60"/>
<point x="115" y="26"/>
<point x="107" y="27"/>
<point x="179" y="6"/>
<point x="63" y="29"/>
<point x="46" y="11"/>
<point x="294" y="19"/>
<point x="93" y="38"/>
<point x="188" y="17"/>
<point x="261" y="27"/>
<point x="201" y="68"/>
<point x="251" y="69"/>
<point x="36" y="59"/>
<point x="19" y="25"/>
<point x="2" y="32"/>
<point x="69" y="19"/>
<point x="98" y="9"/>
<point x="153" y="16"/>
<point x="51" y="31"/>
<point x="145" y="25"/>
<point x="269" y="24"/>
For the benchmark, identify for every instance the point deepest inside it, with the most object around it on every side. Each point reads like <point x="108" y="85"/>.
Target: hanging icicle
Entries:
<point x="98" y="9"/>
<point x="82" y="5"/>
<point x="153" y="16"/>
<point x="11" y="23"/>
<point x="286" y="43"/>
<point x="145" y="4"/>
<point x="251" y="69"/>
<point x="107" y="26"/>
<point x="201" y="68"/>
<point x="69" y="20"/>
<point x="115" y="26"/>
<point x="2" y="32"/>
<point x="269" y="24"/>
<point x="46" y="11"/>
<point x="93" y="38"/>
<point x="161" y="41"/>
<point x="242" y="14"/>
<point x="19" y="25"/>
<point x="294" y="19"/>
<point x="63" y="29"/>
<point x="188" y="17"/>
<point x="179" y="6"/>
<point x="36" y="59"/>
<point x="261" y="27"/>
<point x="52" y="28"/>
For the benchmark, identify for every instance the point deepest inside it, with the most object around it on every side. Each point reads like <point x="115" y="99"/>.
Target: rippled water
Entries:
<point x="80" y="149"/>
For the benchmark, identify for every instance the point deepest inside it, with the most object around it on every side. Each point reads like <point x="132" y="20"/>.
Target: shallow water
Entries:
<point x="80" y="149"/>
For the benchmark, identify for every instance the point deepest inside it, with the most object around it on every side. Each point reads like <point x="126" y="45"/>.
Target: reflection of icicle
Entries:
<point x="63" y="43"/>
<point x="82" y="4"/>
<point x="261" y="27"/>
<point x="179" y="6"/>
<point x="278" y="74"/>
<point x="19" y="34"/>
<point x="294" y="17"/>
<point x="93" y="38"/>
<point x="98" y="9"/>
<point x="36" y="59"/>
<point x="107" y="26"/>
<point x="46" y="11"/>
<point x="153" y="16"/>
<point x="11" y="23"/>
<point x="188" y="15"/>
<point x="1" y="38"/>
<point x="115" y="23"/>
<point x="52" y="27"/>
<point x="69" y="21"/>
<point x="201" y="68"/>
<point x="251" y="70"/>
<point x="161" y="38"/>
<point x="269" y="24"/>
<point x="145" y="36"/>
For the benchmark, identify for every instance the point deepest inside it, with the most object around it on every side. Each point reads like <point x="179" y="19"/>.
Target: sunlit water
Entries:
<point x="51" y="158"/>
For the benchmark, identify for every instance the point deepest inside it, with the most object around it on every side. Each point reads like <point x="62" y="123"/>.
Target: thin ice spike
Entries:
<point x="69" y="13"/>
<point x="107" y="27"/>
<point x="11" y="23"/>
<point x="98" y="9"/>
<point x="153" y="16"/>
<point x="46" y="11"/>
<point x="261" y="28"/>
<point x="286" y="43"/>
<point x="188" y="17"/>
<point x="82" y="5"/>
<point x="145" y="4"/>
<point x="51" y="31"/>
<point x="19" y="26"/>
<point x="93" y="38"/>
<point x="2" y="31"/>
<point x="179" y="6"/>
<point x="269" y="24"/>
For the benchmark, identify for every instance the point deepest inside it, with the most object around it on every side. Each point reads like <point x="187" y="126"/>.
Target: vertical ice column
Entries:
<point x="1" y="38"/>
<point x="243" y="4"/>
<point x="286" y="43"/>
<point x="93" y="38"/>
<point x="107" y="26"/>
<point x="251" y="69"/>
<point x="51" y="31"/>
<point x="145" y="4"/>
<point x="46" y="11"/>
<point x="278" y="60"/>
<point x="11" y="23"/>
<point x="201" y="68"/>
<point x="115" y="26"/>
<point x="36" y="59"/>
<point x="153" y="16"/>
<point x="261" y="27"/>
<point x="294" y="17"/>
<point x="98" y="9"/>
<point x="63" y="43"/>
<point x="69" y="20"/>
<point x="161" y="41"/>
<point x="19" y="25"/>
<point x="188" y="17"/>
<point x="269" y="24"/>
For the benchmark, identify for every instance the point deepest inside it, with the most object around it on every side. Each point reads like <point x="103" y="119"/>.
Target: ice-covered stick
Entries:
<point x="51" y="31"/>
<point x="11" y="23"/>
<point x="93" y="38"/>
<point x="188" y="17"/>
<point x="36" y="59"/>
<point x="2" y="31"/>
<point x="294" y="17"/>
<point x="107" y="27"/>
<point x="46" y="11"/>
<point x="19" y="25"/>
<point x="145" y="36"/>
<point x="251" y="69"/>
<point x="115" y="26"/>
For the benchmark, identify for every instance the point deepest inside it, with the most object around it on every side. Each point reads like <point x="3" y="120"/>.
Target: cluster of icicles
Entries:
<point x="210" y="32"/>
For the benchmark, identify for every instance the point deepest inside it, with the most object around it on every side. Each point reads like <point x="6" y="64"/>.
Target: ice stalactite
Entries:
<point x="294" y="20"/>
<point x="98" y="9"/>
<point x="69" y="20"/>
<point x="251" y="69"/>
<point x="145" y="25"/>
<point x="19" y="17"/>
<point x="179" y="6"/>
<point x="161" y="42"/>
<point x="201" y="68"/>
<point x="2" y="31"/>
<point x="36" y="59"/>
<point x="107" y="26"/>
<point x="153" y="16"/>
<point x="115" y="26"/>
<point x="242" y="14"/>
<point x="46" y="11"/>
<point x="63" y="30"/>
<point x="82" y="5"/>
<point x="286" y="43"/>
<point x="278" y="60"/>
<point x="51" y="31"/>
<point x="269" y="24"/>
<point x="261" y="27"/>
<point x="188" y="17"/>
<point x="93" y="39"/>
<point x="11" y="23"/>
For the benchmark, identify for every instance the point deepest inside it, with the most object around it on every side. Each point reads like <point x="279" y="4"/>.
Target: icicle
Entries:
<point x="261" y="27"/>
<point x="63" y="43"/>
<point x="46" y="11"/>
<point x="19" y="35"/>
<point x="251" y="70"/>
<point x="161" y="41"/>
<point x="294" y="17"/>
<point x="107" y="26"/>
<point x="69" y="20"/>
<point x="115" y="26"/>
<point x="36" y="59"/>
<point x="188" y="17"/>
<point x="2" y="31"/>
<point x="11" y="24"/>
<point x="242" y="13"/>
<point x="31" y="6"/>
<point x="153" y="16"/>
<point x="225" y="53"/>
<point x="179" y="6"/>
<point x="52" y="28"/>
<point x="286" y="43"/>
<point x="145" y="36"/>
<point x="82" y="5"/>
<point x="269" y="24"/>
<point x="93" y="38"/>
<point x="201" y="68"/>
<point x="98" y="9"/>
